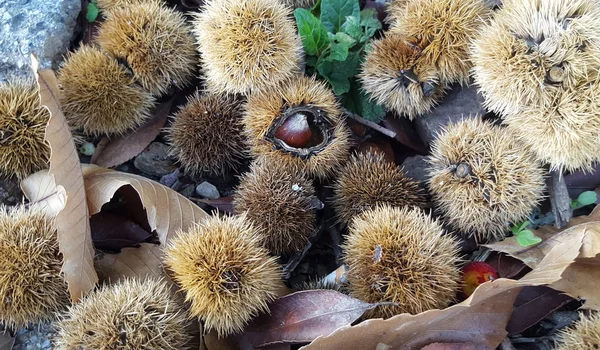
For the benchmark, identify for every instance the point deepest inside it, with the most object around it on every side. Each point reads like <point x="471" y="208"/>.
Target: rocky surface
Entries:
<point x="44" y="28"/>
<point x="207" y="190"/>
<point x="154" y="160"/>
<point x="35" y="337"/>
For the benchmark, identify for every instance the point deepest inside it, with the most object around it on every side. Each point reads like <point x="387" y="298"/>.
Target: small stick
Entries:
<point x="559" y="199"/>
<point x="387" y="132"/>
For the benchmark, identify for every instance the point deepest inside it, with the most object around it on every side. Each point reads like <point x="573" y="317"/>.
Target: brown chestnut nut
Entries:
<point x="295" y="131"/>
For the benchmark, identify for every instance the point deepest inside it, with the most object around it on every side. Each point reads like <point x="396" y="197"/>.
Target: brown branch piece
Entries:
<point x="387" y="132"/>
<point x="559" y="199"/>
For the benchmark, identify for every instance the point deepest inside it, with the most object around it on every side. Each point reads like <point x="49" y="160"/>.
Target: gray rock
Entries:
<point x="154" y="160"/>
<point x="416" y="168"/>
<point x="35" y="337"/>
<point x="207" y="190"/>
<point x="44" y="28"/>
<point x="188" y="191"/>
<point x="10" y="192"/>
<point x="460" y="103"/>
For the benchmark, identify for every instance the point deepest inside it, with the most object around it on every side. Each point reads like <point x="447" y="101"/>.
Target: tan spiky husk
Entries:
<point x="110" y="5"/>
<point x="31" y="287"/>
<point x="584" y="335"/>
<point x="227" y="276"/>
<point x="279" y="203"/>
<point x="368" y="180"/>
<point x="265" y="107"/>
<point x="207" y="134"/>
<point x="443" y="29"/>
<point x="401" y="255"/>
<point x="514" y="54"/>
<point x="247" y="45"/>
<point x="22" y="127"/>
<point x="382" y="80"/>
<point x="564" y="132"/>
<point x="131" y="314"/>
<point x="156" y="43"/>
<point x="299" y="3"/>
<point x="99" y="95"/>
<point x="483" y="179"/>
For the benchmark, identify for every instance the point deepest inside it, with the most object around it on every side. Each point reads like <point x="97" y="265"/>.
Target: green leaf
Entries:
<point x="344" y="38"/>
<point x="334" y="13"/>
<point x="369" y="20"/>
<point x="92" y="12"/>
<point x="339" y="83"/>
<point x="370" y="110"/>
<point x="339" y="52"/>
<point x="353" y="28"/>
<point x="311" y="61"/>
<point x="526" y="238"/>
<point x="587" y="198"/>
<point x="313" y="33"/>
<point x="316" y="9"/>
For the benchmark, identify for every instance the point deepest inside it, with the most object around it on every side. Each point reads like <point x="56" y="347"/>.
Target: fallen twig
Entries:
<point x="387" y="132"/>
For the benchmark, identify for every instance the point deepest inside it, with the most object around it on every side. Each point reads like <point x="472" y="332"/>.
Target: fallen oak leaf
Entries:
<point x="73" y="226"/>
<point x="116" y="151"/>
<point x="451" y="346"/>
<point x="166" y="210"/>
<point x="224" y="204"/>
<point x="42" y="191"/>
<point x="533" y="304"/>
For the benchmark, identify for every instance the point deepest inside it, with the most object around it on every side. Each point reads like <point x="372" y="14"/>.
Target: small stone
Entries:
<point x="87" y="149"/>
<point x="10" y="192"/>
<point x="170" y="179"/>
<point x="416" y="169"/>
<point x="154" y="160"/>
<point x="207" y="190"/>
<point x="460" y="103"/>
<point x="46" y="344"/>
<point x="188" y="191"/>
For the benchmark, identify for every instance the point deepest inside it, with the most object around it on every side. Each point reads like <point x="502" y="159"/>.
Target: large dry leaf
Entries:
<point x="141" y="262"/>
<point x="118" y="150"/>
<point x="479" y="320"/>
<point x="6" y="340"/>
<point x="166" y="210"/>
<point x="579" y="279"/>
<point x="74" y="235"/>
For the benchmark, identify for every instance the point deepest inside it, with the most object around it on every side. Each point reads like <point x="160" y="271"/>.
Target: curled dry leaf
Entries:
<point x="114" y="232"/>
<point x="141" y="262"/>
<point x="73" y="226"/>
<point x="479" y="320"/>
<point x="166" y="210"/>
<point x="533" y="305"/>
<point x="579" y="279"/>
<point x="118" y="150"/>
<point x="42" y="191"/>
<point x="451" y="346"/>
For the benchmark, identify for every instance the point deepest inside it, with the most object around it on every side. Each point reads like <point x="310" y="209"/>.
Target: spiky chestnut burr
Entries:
<point x="207" y="134"/>
<point x="225" y="273"/>
<point x="368" y="180"/>
<point x="443" y="30"/>
<point x="131" y="314"/>
<point x="584" y="335"/>
<point x="564" y="131"/>
<point x="22" y="127"/>
<point x="396" y="76"/>
<point x="31" y="287"/>
<point x="110" y="5"/>
<point x="280" y="204"/>
<point x="531" y="49"/>
<point x="401" y="255"/>
<point x="310" y="105"/>
<point x="154" y="41"/>
<point x="482" y="178"/>
<point x="247" y="45"/>
<point x="299" y="3"/>
<point x="99" y="95"/>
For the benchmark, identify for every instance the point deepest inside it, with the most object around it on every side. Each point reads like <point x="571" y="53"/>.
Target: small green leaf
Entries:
<point x="311" y="61"/>
<point x="353" y="28"/>
<point x="344" y="38"/>
<point x="587" y="198"/>
<point x="314" y="35"/>
<point x="370" y="110"/>
<point x="92" y="12"/>
<point x="339" y="82"/>
<point x="369" y="20"/>
<point x="339" y="52"/>
<point x="334" y="13"/>
<point x="316" y="9"/>
<point x="526" y="238"/>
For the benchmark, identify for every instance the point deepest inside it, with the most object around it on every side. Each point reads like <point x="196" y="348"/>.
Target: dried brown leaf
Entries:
<point x="533" y="304"/>
<point x="451" y="346"/>
<point x="166" y="209"/>
<point x="480" y="320"/>
<point x="224" y="204"/>
<point x="73" y="226"/>
<point x="141" y="262"/>
<point x="118" y="150"/>
<point x="114" y="232"/>
<point x="6" y="340"/>
<point x="41" y="190"/>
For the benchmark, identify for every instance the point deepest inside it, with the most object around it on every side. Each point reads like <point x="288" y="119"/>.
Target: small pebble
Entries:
<point x="207" y="190"/>
<point x="87" y="149"/>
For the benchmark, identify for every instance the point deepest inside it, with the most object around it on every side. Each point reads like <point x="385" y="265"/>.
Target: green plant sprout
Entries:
<point x="92" y="11"/>
<point x="525" y="237"/>
<point x="584" y="199"/>
<point x="335" y="35"/>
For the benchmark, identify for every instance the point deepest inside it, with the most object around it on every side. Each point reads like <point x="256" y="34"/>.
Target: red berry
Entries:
<point x="295" y="131"/>
<point x="477" y="273"/>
